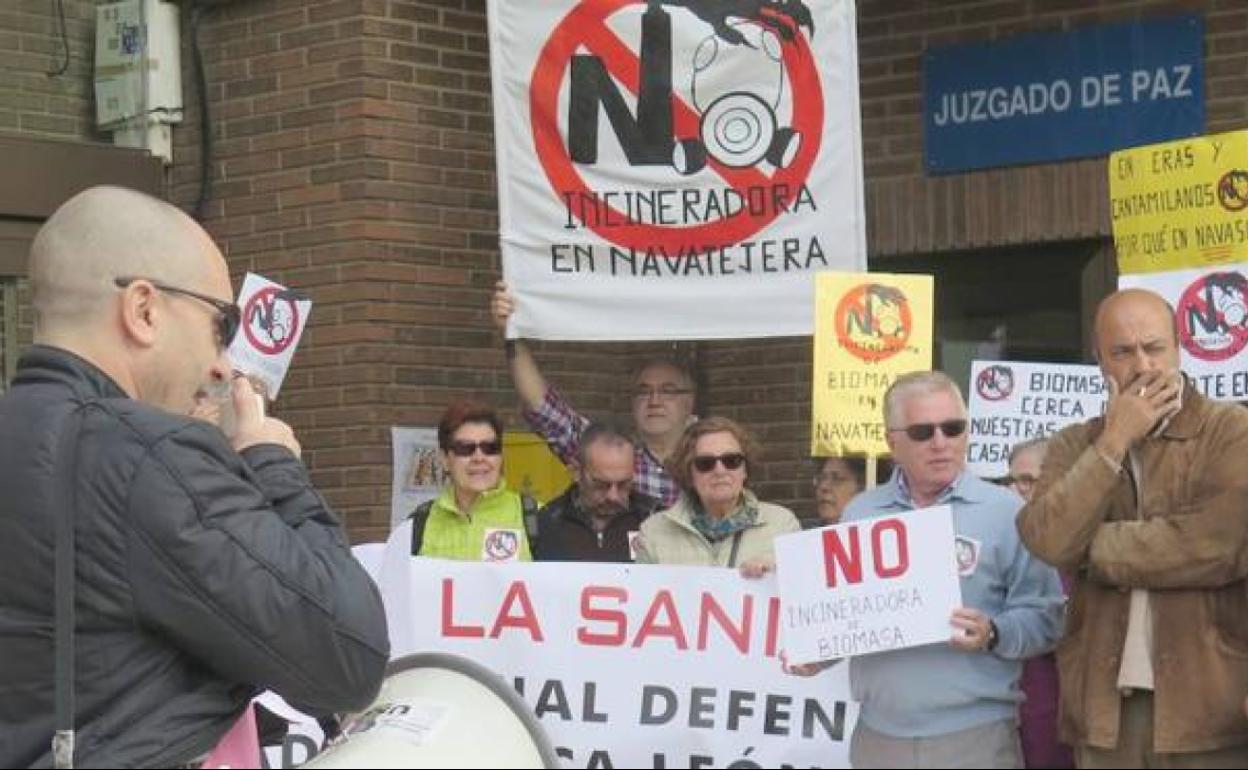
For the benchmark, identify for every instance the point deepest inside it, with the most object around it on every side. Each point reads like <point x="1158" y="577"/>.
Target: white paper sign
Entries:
<point x="274" y="318"/>
<point x="674" y="170"/>
<point x="1211" y="313"/>
<point x="867" y="586"/>
<point x="628" y="665"/>
<point x="417" y="470"/>
<point x="1013" y="401"/>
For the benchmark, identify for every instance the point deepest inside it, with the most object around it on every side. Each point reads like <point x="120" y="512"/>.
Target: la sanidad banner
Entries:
<point x="628" y="665"/>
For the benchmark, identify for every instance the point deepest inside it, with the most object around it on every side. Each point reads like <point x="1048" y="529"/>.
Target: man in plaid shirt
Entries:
<point x="663" y="395"/>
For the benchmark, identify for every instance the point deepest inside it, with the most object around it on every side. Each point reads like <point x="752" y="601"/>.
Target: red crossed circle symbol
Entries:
<point x="279" y="331"/>
<point x="585" y="26"/>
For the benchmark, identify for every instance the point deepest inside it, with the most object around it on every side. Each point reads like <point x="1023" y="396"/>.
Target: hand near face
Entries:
<point x="1136" y="408"/>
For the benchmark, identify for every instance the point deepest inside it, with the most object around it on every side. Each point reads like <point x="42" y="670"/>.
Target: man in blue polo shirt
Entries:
<point x="954" y="704"/>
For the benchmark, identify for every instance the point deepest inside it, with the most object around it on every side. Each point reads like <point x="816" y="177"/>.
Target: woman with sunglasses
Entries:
<point x="475" y="517"/>
<point x="716" y="521"/>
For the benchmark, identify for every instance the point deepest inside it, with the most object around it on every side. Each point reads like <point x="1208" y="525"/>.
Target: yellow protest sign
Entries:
<point x="1180" y="204"/>
<point x="869" y="328"/>
<point x="530" y="467"/>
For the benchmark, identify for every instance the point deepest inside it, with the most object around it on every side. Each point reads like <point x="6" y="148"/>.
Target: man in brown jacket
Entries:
<point x="1147" y="508"/>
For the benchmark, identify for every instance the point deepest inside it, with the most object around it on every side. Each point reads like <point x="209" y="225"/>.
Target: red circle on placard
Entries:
<point x="259" y="300"/>
<point x="995" y="383"/>
<point x="858" y="306"/>
<point x="548" y="76"/>
<point x="1231" y="312"/>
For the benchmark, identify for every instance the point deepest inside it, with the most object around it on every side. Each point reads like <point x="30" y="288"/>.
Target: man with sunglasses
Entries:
<point x="598" y="517"/>
<point x="180" y="570"/>
<point x="953" y="704"/>
<point x="1146" y="507"/>
<point x="662" y="407"/>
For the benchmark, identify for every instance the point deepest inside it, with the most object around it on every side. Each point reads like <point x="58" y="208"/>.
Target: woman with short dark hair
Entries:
<point x="476" y="517"/>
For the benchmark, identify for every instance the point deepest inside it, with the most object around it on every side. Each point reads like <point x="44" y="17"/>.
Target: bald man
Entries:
<point x="207" y="567"/>
<point x="1147" y="507"/>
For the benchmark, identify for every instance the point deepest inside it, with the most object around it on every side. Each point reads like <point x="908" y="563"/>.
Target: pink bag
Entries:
<point x="240" y="747"/>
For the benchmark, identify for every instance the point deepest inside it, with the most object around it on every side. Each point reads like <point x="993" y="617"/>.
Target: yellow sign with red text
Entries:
<point x="1180" y="204"/>
<point x="869" y="328"/>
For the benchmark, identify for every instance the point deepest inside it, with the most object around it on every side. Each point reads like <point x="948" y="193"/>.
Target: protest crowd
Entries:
<point x="1041" y="564"/>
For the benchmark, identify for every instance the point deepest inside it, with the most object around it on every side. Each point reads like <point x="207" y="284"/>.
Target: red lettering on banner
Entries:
<point x="835" y="556"/>
<point x="617" y="617"/>
<point x="738" y="635"/>
<point x="773" y="627"/>
<point x="651" y="627"/>
<point x="527" y="619"/>
<point x="448" y="610"/>
<point x="898" y="528"/>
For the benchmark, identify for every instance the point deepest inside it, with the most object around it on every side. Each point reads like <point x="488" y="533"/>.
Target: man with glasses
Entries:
<point x="598" y="517"/>
<point x="662" y="407"/>
<point x="201" y="568"/>
<point x="954" y="704"/>
<point x="1146" y="507"/>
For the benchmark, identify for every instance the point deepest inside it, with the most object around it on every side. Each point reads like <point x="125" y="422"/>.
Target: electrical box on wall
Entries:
<point x="138" y="73"/>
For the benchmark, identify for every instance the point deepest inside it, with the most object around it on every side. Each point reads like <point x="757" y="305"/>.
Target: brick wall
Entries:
<point x="354" y="159"/>
<point x="33" y="99"/>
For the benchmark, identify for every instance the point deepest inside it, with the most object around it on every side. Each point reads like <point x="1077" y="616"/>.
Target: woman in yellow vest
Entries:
<point x="475" y="517"/>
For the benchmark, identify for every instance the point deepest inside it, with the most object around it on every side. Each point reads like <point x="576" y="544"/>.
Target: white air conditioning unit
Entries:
<point x="138" y="73"/>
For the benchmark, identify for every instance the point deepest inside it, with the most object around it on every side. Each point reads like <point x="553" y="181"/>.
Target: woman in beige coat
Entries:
<point x="716" y="521"/>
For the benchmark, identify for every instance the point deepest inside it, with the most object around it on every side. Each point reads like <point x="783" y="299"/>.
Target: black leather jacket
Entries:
<point x="203" y="576"/>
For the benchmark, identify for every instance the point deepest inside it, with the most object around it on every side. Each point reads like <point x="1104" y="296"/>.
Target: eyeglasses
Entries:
<point x="663" y="392"/>
<point x="923" y="431"/>
<point x="469" y="448"/>
<point x="706" y="463"/>
<point x="229" y="316"/>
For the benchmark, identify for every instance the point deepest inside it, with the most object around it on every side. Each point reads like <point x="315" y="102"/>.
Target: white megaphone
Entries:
<point x="441" y="710"/>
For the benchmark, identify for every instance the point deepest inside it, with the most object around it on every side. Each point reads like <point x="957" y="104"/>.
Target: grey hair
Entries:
<point x="915" y="383"/>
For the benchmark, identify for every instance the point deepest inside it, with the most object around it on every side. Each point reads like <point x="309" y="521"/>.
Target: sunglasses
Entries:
<point x="730" y="461"/>
<point x="229" y="315"/>
<point x="923" y="431"/>
<point x="469" y="448"/>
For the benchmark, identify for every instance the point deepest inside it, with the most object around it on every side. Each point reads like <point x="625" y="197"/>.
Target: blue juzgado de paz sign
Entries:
<point x="1050" y="96"/>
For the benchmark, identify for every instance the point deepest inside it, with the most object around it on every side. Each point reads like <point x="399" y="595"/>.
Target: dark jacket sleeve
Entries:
<point x="238" y="561"/>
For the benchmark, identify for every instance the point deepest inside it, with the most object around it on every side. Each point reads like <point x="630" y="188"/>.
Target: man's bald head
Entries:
<point x="1128" y="303"/>
<point x="106" y="232"/>
<point x="1136" y="336"/>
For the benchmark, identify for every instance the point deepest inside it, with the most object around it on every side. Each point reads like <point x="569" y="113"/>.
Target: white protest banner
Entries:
<point x="1013" y="401"/>
<point x="628" y="665"/>
<point x="274" y="318"/>
<point x="1211" y="313"/>
<point x="417" y="474"/>
<point x="868" y="586"/>
<point x="674" y="170"/>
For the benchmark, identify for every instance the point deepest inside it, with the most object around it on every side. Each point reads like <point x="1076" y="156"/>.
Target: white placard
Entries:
<point x="1211" y="314"/>
<point x="273" y="320"/>
<point x="674" y="170"/>
<point x="867" y="586"/>
<point x="1013" y="401"/>
<point x="628" y="665"/>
